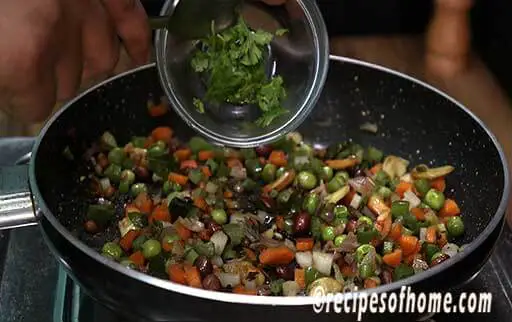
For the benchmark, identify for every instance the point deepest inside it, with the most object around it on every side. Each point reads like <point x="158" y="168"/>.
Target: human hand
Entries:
<point x="48" y="47"/>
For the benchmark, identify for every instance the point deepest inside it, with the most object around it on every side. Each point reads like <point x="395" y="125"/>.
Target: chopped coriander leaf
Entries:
<point x="281" y="32"/>
<point x="234" y="68"/>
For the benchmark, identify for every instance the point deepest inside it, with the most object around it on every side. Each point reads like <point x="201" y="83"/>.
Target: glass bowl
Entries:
<point x="301" y="57"/>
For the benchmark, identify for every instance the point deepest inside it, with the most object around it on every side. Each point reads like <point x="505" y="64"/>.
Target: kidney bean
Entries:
<point x="141" y="173"/>
<point x="91" y="226"/>
<point x="286" y="272"/>
<point x="386" y="277"/>
<point x="204" y="265"/>
<point x="211" y="225"/>
<point x="302" y="223"/>
<point x="263" y="150"/>
<point x="211" y="282"/>
<point x="351" y="226"/>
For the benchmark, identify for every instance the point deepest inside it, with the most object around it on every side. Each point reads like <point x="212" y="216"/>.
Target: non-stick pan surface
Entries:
<point x="414" y="121"/>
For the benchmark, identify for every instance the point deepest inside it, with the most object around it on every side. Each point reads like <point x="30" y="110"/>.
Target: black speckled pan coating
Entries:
<point x="414" y="122"/>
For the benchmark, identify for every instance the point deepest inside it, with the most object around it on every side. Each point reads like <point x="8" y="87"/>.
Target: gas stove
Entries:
<point x="34" y="288"/>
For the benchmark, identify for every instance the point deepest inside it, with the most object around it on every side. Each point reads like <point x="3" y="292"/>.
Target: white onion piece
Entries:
<point x="450" y="249"/>
<point x="290" y="288"/>
<point x="406" y="178"/>
<point x="356" y="201"/>
<point x="423" y="233"/>
<point x="238" y="173"/>
<point x="262" y="216"/>
<point x="322" y="262"/>
<point x="229" y="279"/>
<point x="413" y="200"/>
<point x="105" y="184"/>
<point x="288" y="243"/>
<point x="125" y="225"/>
<point x="369" y="127"/>
<point x="250" y="284"/>
<point x="211" y="187"/>
<point x="237" y="218"/>
<point x="192" y="224"/>
<point x="219" y="240"/>
<point x="304" y="259"/>
<point x="217" y="261"/>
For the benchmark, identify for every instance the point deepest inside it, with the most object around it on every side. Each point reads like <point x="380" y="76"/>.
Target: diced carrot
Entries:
<point x="304" y="244"/>
<point x="439" y="184"/>
<point x="442" y="240"/>
<point x="250" y="254"/>
<point x="276" y="256"/>
<point x="228" y="194"/>
<point x="129" y="208"/>
<point x="144" y="203"/>
<point x="419" y="213"/>
<point x="157" y="110"/>
<point x="348" y="270"/>
<point x="393" y="259"/>
<point x="278" y="158"/>
<point x="370" y="283"/>
<point x="342" y="164"/>
<point x="348" y="198"/>
<point x="205" y="155"/>
<point x="178" y="178"/>
<point x="182" y="231"/>
<point x="376" y="168"/>
<point x="162" y="133"/>
<point x="402" y="187"/>
<point x="137" y="258"/>
<point x="240" y="289"/>
<point x="126" y="241"/>
<point x="280" y="222"/>
<point x="449" y="209"/>
<point x="188" y="164"/>
<point x="234" y="163"/>
<point x="183" y="154"/>
<point x="201" y="203"/>
<point x="177" y="274"/>
<point x="206" y="171"/>
<point x="396" y="231"/>
<point x="408" y="244"/>
<point x="300" y="277"/>
<point x="160" y="213"/>
<point x="431" y="235"/>
<point x="166" y="246"/>
<point x="192" y="276"/>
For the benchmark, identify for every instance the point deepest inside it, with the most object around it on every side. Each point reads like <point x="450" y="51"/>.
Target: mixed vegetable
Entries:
<point x="284" y="219"/>
<point x="233" y="64"/>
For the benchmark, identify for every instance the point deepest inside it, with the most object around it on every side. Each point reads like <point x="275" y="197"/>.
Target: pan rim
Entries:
<point x="267" y="300"/>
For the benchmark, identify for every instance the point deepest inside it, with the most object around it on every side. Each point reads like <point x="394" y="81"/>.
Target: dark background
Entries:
<point x="491" y="24"/>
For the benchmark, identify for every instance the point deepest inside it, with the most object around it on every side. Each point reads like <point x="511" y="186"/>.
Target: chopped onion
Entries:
<point x="363" y="185"/>
<point x="211" y="187"/>
<point x="219" y="240"/>
<point x="423" y="233"/>
<point x="192" y="223"/>
<point x="337" y="274"/>
<point x="262" y="216"/>
<point x="322" y="262"/>
<point x="356" y="201"/>
<point x="217" y="260"/>
<point x="304" y="259"/>
<point x="290" y="288"/>
<point x="269" y="242"/>
<point x="156" y="178"/>
<point x="413" y="200"/>
<point x="394" y="197"/>
<point x="441" y="228"/>
<point x="125" y="225"/>
<point x="419" y="265"/>
<point x="250" y="284"/>
<point x="238" y="173"/>
<point x="105" y="184"/>
<point x="450" y="249"/>
<point x="288" y="243"/>
<point x="300" y="160"/>
<point x="369" y="127"/>
<point x="395" y="166"/>
<point x="237" y="218"/>
<point x="229" y="279"/>
<point x="368" y="213"/>
<point x="406" y="178"/>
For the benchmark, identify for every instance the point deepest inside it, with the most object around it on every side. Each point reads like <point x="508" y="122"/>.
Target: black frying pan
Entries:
<point x="414" y="120"/>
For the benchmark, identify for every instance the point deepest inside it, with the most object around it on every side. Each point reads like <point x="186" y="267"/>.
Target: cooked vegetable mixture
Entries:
<point x="234" y="65"/>
<point x="277" y="220"/>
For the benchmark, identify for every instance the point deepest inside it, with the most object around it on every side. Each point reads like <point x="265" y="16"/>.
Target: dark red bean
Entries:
<point x="205" y="234"/>
<point x="439" y="260"/>
<point x="301" y="223"/>
<point x="204" y="265"/>
<point x="386" y="277"/>
<point x="286" y="272"/>
<point x="212" y="225"/>
<point x="211" y="282"/>
<point x="141" y="173"/>
<point x="351" y="226"/>
<point x="263" y="150"/>
<point x="264" y="290"/>
<point x="91" y="226"/>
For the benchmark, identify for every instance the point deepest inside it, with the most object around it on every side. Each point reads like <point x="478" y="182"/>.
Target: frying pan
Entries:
<point x="414" y="120"/>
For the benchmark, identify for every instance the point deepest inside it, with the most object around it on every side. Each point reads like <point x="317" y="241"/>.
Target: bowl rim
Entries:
<point x="42" y="207"/>
<point x="320" y="70"/>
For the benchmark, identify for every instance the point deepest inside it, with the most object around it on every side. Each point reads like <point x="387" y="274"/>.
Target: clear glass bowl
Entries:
<point x="301" y="57"/>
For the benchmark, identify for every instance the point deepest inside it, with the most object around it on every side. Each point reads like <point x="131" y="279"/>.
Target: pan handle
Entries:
<point x="16" y="206"/>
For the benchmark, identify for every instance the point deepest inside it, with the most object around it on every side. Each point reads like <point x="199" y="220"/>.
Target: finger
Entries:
<point x="69" y="65"/>
<point x="99" y="42"/>
<point x="132" y="26"/>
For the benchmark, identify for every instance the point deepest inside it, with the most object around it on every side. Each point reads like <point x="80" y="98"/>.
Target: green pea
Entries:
<point x="434" y="199"/>
<point x="219" y="216"/>
<point x="138" y="188"/>
<point x="430" y="251"/>
<point x="342" y="175"/>
<point x="307" y="180"/>
<point x="139" y="141"/>
<point x="124" y="187"/>
<point x="116" y="156"/>
<point x="269" y="172"/>
<point x="422" y="186"/>
<point x="362" y="251"/>
<point x="128" y="163"/>
<point x="311" y="203"/>
<point x="399" y="208"/>
<point x="113" y="173"/>
<point x="161" y="144"/>
<point x="366" y="270"/>
<point x="128" y="176"/>
<point x="339" y="240"/>
<point x="128" y="263"/>
<point x="384" y="192"/>
<point x="455" y="226"/>
<point x="169" y="239"/>
<point x="364" y="220"/>
<point x="254" y="167"/>
<point x="328" y="233"/>
<point x="151" y="248"/>
<point x="155" y="151"/>
<point x="326" y="173"/>
<point x="381" y="178"/>
<point x="341" y="212"/>
<point x="335" y="184"/>
<point x="138" y="242"/>
<point x="112" y="250"/>
<point x="288" y="225"/>
<point x="280" y="172"/>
